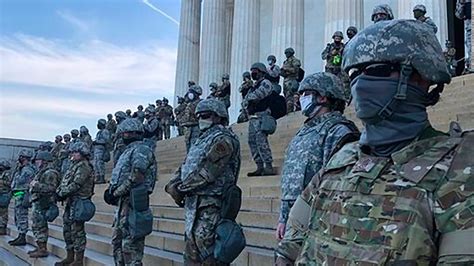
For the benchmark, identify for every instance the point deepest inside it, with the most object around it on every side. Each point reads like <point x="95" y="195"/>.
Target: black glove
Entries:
<point x="59" y="198"/>
<point x="109" y="197"/>
<point x="172" y="190"/>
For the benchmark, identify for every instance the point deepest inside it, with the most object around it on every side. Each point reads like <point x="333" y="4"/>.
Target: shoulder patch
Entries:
<point x="347" y="155"/>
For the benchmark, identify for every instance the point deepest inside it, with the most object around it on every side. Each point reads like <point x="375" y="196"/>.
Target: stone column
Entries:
<point x="212" y="60"/>
<point x="229" y="23"/>
<point x="245" y="47"/>
<point x="435" y="9"/>
<point x="340" y="14"/>
<point x="288" y="28"/>
<point x="187" y="65"/>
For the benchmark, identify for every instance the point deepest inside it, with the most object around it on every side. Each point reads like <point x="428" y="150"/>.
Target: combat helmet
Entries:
<point x="213" y="85"/>
<point x="44" y="156"/>
<point x="130" y="125"/>
<point x="290" y="51"/>
<point x="101" y="123"/>
<point x="212" y="105"/>
<point x="325" y="83"/>
<point x="259" y="66"/>
<point x="150" y="110"/>
<point x="25" y="153"/>
<point x="272" y="57"/>
<point x="382" y="9"/>
<point x="420" y="8"/>
<point x="165" y="100"/>
<point x="80" y="147"/>
<point x="84" y="130"/>
<point x="338" y="34"/>
<point x="225" y="76"/>
<point x="196" y="89"/>
<point x="74" y="133"/>
<point x="352" y="28"/>
<point x="120" y="115"/>
<point x="246" y="74"/>
<point x="67" y="137"/>
<point x="5" y="164"/>
<point x="59" y="137"/>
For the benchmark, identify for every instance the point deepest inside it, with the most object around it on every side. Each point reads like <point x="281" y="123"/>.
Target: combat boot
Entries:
<point x="3" y="231"/>
<point x="41" y="252"/>
<point x="100" y="180"/>
<point x="78" y="259"/>
<point x="258" y="172"/>
<point x="68" y="260"/>
<point x="32" y="251"/>
<point x="19" y="241"/>
<point x="268" y="170"/>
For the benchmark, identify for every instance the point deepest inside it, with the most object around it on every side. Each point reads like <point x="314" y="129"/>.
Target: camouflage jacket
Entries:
<point x="64" y="152"/>
<point x="260" y="90"/>
<point x="151" y="126"/>
<point x="211" y="165"/>
<point x="22" y="177"/>
<point x="179" y="112"/>
<point x="290" y="68"/>
<point x="245" y="87"/>
<point x="332" y="53"/>
<point x="5" y="182"/>
<point x="463" y="9"/>
<point x="47" y="180"/>
<point x="189" y="117"/>
<point x="55" y="152"/>
<point x="136" y="165"/>
<point x="430" y="23"/>
<point x="102" y="138"/>
<point x="165" y="113"/>
<point x="87" y="139"/>
<point x="78" y="181"/>
<point x="111" y="126"/>
<point x="310" y="149"/>
<point x="414" y="208"/>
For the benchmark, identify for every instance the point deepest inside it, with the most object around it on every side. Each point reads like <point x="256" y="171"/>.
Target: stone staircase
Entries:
<point x="260" y="206"/>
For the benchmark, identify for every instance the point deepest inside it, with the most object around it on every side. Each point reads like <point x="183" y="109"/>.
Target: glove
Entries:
<point x="109" y="197"/>
<point x="172" y="190"/>
<point x="60" y="198"/>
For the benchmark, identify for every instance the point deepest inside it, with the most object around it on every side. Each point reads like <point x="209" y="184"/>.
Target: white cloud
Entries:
<point x="94" y="66"/>
<point x="75" y="21"/>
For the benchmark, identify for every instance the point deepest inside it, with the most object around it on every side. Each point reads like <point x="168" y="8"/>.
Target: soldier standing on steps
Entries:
<point x="323" y="133"/>
<point x="42" y="189"/>
<point x="247" y="83"/>
<point x="101" y="144"/>
<point x="5" y="194"/>
<point x="75" y="136"/>
<point x="178" y="112"/>
<point x="118" y="144"/>
<point x="111" y="124"/>
<point x="133" y="178"/>
<point x="166" y="117"/>
<point x="64" y="154"/>
<point x="85" y="137"/>
<point x="78" y="183"/>
<point x="211" y="166"/>
<point x="190" y="121"/>
<point x="290" y="71"/>
<point x="21" y="183"/>
<point x="57" y="147"/>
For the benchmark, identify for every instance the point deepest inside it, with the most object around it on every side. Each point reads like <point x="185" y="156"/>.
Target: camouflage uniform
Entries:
<point x="21" y="182"/>
<point x="223" y="91"/>
<point x="333" y="56"/>
<point x="78" y="183"/>
<point x="450" y="56"/>
<point x="420" y="10"/>
<point x="211" y="165"/>
<point x="117" y="140"/>
<point x="166" y="118"/>
<point x="64" y="154"/>
<point x="290" y="71"/>
<point x="190" y="121"/>
<point x="57" y="147"/>
<point x="412" y="206"/>
<point x="111" y="125"/>
<point x="246" y="85"/>
<point x="274" y="72"/>
<point x="463" y="11"/>
<point x="151" y="127"/>
<point x="101" y="151"/>
<point x="179" y="111"/>
<point x="5" y="189"/>
<point x="381" y="13"/>
<point x="136" y="165"/>
<point x="75" y="136"/>
<point x="85" y="137"/>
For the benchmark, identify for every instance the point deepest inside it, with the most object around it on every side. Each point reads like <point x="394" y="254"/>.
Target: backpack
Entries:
<point x="277" y="105"/>
<point x="300" y="75"/>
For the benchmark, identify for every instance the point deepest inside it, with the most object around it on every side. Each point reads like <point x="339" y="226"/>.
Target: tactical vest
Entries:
<point x="49" y="170"/>
<point x="87" y="189"/>
<point x="23" y="177"/>
<point x="374" y="210"/>
<point x="5" y="181"/>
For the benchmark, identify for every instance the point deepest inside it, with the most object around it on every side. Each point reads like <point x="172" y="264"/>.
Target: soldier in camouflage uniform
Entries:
<point x="450" y="56"/>
<point x="246" y="85"/>
<point x="101" y="151"/>
<point x="212" y="91"/>
<point x="64" y="154"/>
<point x="178" y="112"/>
<point x="111" y="124"/>
<point x="257" y="108"/>
<point x="351" y="32"/>
<point x="78" y="183"/>
<point x="223" y="91"/>
<point x="20" y="185"/>
<point x="324" y="132"/>
<point x="128" y="112"/>
<point x="333" y="56"/>
<point x="190" y="121"/>
<point x="290" y="72"/>
<point x="211" y="165"/>
<point x="274" y="73"/>
<point x="85" y="137"/>
<point x="402" y="195"/>
<point x="166" y="117"/>
<point x="42" y="189"/>
<point x="151" y="127"/>
<point x="139" y="114"/>
<point x="57" y="147"/>
<point x="75" y="136"/>
<point x="118" y="144"/>
<point x="419" y="12"/>
<point x="464" y="12"/>
<point x="136" y="166"/>
<point x="381" y="13"/>
<point x="5" y="191"/>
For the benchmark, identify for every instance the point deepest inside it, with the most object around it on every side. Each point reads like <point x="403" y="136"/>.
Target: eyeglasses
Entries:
<point x="375" y="70"/>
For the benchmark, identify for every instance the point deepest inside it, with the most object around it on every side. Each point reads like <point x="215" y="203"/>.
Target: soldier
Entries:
<point x="258" y="110"/>
<point x="223" y="91"/>
<point x="85" y="136"/>
<point x="135" y="172"/>
<point x="139" y="114"/>
<point x="166" y="118"/>
<point x="151" y="127"/>
<point x="128" y="112"/>
<point x="333" y="54"/>
<point x="463" y="11"/>
<point x="64" y="154"/>
<point x="75" y="136"/>
<point x="159" y="133"/>
<point x="381" y="13"/>
<point x="450" y="56"/>
<point x="419" y="12"/>
<point x="101" y="151"/>
<point x="190" y="121"/>
<point x="178" y="112"/>
<point x="324" y="132"/>
<point x="57" y="147"/>
<point x="77" y="184"/>
<point x="111" y="124"/>
<point x="5" y="194"/>
<point x="351" y="32"/>
<point x="212" y="91"/>
<point x="215" y="156"/>
<point x="290" y="72"/>
<point x="118" y="144"/>
<point x="21" y="182"/>
<point x="42" y="189"/>
<point x="246" y="85"/>
<point x="273" y="73"/>
<point x="398" y="196"/>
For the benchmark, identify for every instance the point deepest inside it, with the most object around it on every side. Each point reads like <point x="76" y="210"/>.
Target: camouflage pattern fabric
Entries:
<point x="119" y="147"/>
<point x="333" y="56"/>
<point x="64" y="157"/>
<point x="5" y="188"/>
<point x="404" y="209"/>
<point x="152" y="131"/>
<point x="127" y="251"/>
<point x="179" y="111"/>
<point x="450" y="56"/>
<point x="430" y="23"/>
<point x="212" y="164"/>
<point x="463" y="11"/>
<point x="223" y="93"/>
<point x="289" y="71"/>
<point x="42" y="196"/>
<point x="102" y="139"/>
<point x="21" y="182"/>
<point x="190" y="122"/>
<point x="274" y="71"/>
<point x="74" y="233"/>
<point x="111" y="126"/>
<point x="87" y="139"/>
<point x="166" y="116"/>
<point x="57" y="147"/>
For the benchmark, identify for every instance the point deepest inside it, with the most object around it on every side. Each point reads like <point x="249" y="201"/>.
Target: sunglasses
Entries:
<point x="375" y="70"/>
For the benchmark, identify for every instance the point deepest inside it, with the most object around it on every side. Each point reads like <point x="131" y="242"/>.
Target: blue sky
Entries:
<point x="67" y="63"/>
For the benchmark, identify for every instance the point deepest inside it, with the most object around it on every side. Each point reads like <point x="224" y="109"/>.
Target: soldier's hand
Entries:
<point x="280" y="231"/>
<point x="172" y="190"/>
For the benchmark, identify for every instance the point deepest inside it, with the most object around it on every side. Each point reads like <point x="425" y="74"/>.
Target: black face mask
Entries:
<point x="256" y="75"/>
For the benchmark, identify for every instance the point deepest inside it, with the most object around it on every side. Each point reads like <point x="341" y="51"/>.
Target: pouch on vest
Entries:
<point x="140" y="223"/>
<point x="231" y="203"/>
<point x="139" y="200"/>
<point x="5" y="200"/>
<point x="230" y="241"/>
<point x="106" y="156"/>
<point x="51" y="213"/>
<point x="84" y="210"/>
<point x="268" y="124"/>
<point x="300" y="75"/>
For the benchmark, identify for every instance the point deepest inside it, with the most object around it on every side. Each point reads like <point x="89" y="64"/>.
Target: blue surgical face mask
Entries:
<point x="309" y="105"/>
<point x="205" y="124"/>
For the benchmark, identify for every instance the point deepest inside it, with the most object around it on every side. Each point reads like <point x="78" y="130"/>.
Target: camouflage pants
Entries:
<point x="3" y="217"/>
<point x="192" y="133"/>
<point x="127" y="251"/>
<point x="258" y="142"/>
<point x="21" y="215"/>
<point x="180" y="130"/>
<point x="199" y="245"/>
<point x="65" y="166"/>
<point x="468" y="42"/>
<point x="117" y="153"/>
<point x="73" y="232"/>
<point x="290" y="87"/>
<point x="290" y="246"/>
<point x="166" y="131"/>
<point x="98" y="161"/>
<point x="39" y="224"/>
